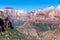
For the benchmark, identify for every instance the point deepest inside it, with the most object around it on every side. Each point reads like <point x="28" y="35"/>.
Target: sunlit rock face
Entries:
<point x="58" y="10"/>
<point x="50" y="14"/>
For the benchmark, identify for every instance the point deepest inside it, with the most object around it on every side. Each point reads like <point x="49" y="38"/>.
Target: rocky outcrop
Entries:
<point x="50" y="14"/>
<point x="43" y="24"/>
<point x="27" y="29"/>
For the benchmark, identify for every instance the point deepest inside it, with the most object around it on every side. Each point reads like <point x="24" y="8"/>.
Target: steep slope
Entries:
<point x="39" y="31"/>
<point x="28" y="30"/>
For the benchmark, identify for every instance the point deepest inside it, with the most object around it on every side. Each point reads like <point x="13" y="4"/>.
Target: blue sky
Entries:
<point x="28" y="4"/>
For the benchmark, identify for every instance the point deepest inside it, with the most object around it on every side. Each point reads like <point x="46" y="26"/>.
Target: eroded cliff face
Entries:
<point x="42" y="25"/>
<point x="48" y="15"/>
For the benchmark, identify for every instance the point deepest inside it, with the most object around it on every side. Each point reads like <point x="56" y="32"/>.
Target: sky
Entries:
<point x="28" y="4"/>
